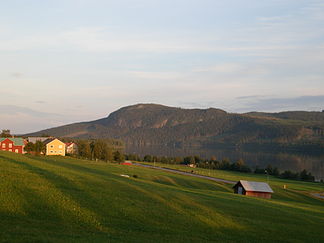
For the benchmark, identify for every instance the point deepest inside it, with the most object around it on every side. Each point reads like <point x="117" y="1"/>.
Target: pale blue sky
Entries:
<point x="77" y="60"/>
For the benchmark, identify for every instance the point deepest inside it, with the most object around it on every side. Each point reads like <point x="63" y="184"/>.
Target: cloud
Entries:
<point x="98" y="39"/>
<point x="222" y="68"/>
<point x="16" y="74"/>
<point x="157" y="75"/>
<point x="308" y="103"/>
<point x="14" y="110"/>
<point x="249" y="97"/>
<point x="24" y="120"/>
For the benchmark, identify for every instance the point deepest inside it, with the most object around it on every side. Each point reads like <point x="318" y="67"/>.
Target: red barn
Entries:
<point x="127" y="163"/>
<point x="12" y="145"/>
<point x="253" y="189"/>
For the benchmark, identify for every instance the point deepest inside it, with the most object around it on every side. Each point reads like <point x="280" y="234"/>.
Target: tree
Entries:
<point x="189" y="160"/>
<point x="237" y="165"/>
<point x="98" y="149"/>
<point x="147" y="158"/>
<point x="29" y="147"/>
<point x="108" y="154"/>
<point x="197" y="159"/>
<point x="225" y="164"/>
<point x="213" y="158"/>
<point x="178" y="160"/>
<point x="39" y="147"/>
<point x="306" y="176"/>
<point x="258" y="170"/>
<point x="287" y="174"/>
<point x="84" y="149"/>
<point x="118" y="156"/>
<point x="275" y="171"/>
<point x="5" y="134"/>
<point x="269" y="170"/>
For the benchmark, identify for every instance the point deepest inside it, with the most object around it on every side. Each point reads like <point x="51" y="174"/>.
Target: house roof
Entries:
<point x="16" y="141"/>
<point x="69" y="144"/>
<point x="255" y="186"/>
<point x="51" y="140"/>
<point x="48" y="140"/>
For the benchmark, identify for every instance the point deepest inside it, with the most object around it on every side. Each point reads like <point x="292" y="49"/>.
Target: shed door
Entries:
<point x="240" y="190"/>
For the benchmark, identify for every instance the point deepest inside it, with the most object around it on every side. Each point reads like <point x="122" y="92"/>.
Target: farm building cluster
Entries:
<point x="53" y="146"/>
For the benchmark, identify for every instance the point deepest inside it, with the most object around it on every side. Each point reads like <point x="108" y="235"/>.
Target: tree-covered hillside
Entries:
<point x="151" y="124"/>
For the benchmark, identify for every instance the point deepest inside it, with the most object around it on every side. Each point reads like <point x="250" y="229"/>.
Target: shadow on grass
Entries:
<point x="74" y="204"/>
<point x="68" y="165"/>
<point x="38" y="221"/>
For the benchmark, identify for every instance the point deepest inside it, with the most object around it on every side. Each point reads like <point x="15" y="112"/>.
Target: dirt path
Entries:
<point x="186" y="173"/>
<point x="318" y="195"/>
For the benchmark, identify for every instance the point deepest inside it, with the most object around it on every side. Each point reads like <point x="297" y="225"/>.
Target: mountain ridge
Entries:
<point x="155" y="124"/>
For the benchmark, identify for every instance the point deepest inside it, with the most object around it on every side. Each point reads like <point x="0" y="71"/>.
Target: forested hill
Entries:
<point x="151" y="124"/>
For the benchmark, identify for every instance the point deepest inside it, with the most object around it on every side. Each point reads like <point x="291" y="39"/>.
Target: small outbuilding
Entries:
<point x="127" y="162"/>
<point x="253" y="188"/>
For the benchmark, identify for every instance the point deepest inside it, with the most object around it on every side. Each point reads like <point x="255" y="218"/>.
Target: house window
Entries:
<point x="16" y="150"/>
<point x="3" y="145"/>
<point x="10" y="145"/>
<point x="51" y="152"/>
<point x="60" y="151"/>
<point x="52" y="146"/>
<point x="10" y="150"/>
<point x="60" y="146"/>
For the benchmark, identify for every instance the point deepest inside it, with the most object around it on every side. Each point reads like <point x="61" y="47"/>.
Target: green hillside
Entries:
<point x="151" y="124"/>
<point x="62" y="199"/>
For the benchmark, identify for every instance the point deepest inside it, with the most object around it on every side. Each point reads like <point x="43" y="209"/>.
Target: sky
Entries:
<point x="66" y="61"/>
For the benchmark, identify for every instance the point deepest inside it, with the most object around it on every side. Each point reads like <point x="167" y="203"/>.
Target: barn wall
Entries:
<point x="236" y="188"/>
<point x="259" y="194"/>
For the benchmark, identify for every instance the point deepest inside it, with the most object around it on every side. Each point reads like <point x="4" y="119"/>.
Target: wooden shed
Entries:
<point x="253" y="188"/>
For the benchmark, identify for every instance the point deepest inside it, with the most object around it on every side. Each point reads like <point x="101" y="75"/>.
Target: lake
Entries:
<point x="282" y="160"/>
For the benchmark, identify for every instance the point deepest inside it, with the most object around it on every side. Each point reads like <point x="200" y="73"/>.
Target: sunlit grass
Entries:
<point x="62" y="199"/>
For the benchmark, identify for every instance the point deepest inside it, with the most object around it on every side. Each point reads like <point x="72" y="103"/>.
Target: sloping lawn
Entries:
<point x="62" y="199"/>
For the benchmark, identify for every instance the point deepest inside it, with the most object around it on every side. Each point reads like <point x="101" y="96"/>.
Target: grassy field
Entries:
<point x="62" y="199"/>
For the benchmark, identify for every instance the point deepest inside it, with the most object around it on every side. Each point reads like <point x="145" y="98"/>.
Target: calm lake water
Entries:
<point x="282" y="160"/>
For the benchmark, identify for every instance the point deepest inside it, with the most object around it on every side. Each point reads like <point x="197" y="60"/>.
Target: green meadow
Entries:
<point x="63" y="199"/>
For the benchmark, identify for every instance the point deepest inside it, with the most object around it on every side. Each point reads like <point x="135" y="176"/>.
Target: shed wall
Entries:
<point x="258" y="194"/>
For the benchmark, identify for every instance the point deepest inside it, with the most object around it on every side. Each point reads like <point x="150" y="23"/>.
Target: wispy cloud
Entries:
<point x="249" y="97"/>
<point x="309" y="103"/>
<point x="13" y="110"/>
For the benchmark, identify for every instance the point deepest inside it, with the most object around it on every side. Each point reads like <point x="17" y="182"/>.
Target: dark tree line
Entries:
<point x="35" y="148"/>
<point x="224" y="164"/>
<point x="98" y="150"/>
<point x="303" y="175"/>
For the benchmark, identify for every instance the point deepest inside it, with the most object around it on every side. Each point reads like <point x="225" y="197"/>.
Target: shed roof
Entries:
<point x="16" y="141"/>
<point x="255" y="186"/>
